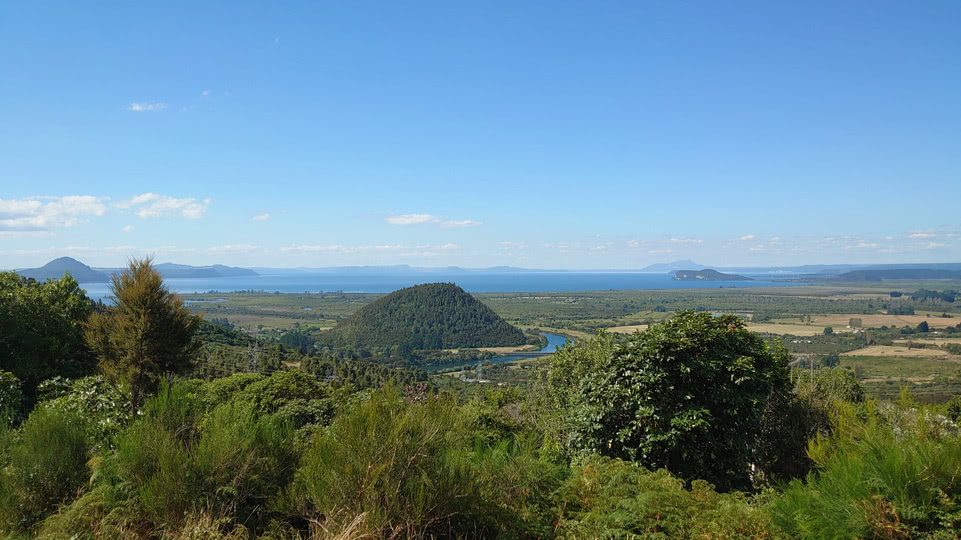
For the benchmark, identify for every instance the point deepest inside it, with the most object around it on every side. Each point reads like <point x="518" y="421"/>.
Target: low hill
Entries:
<point x="56" y="268"/>
<point x="899" y="273"/>
<point x="171" y="270"/>
<point x="707" y="275"/>
<point x="431" y="316"/>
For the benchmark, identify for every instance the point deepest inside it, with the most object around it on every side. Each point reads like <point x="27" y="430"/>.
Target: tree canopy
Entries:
<point x="41" y="334"/>
<point x="147" y="333"/>
<point x="687" y="395"/>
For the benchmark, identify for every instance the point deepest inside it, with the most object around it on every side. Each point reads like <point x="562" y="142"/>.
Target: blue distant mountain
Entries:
<point x="56" y="268"/>
<point x="674" y="266"/>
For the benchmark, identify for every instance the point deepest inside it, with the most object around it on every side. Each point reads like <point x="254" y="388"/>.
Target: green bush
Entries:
<point x="48" y="467"/>
<point x="610" y="498"/>
<point x="11" y="398"/>
<point x="884" y="472"/>
<point x="403" y="465"/>
<point x="231" y="466"/>
<point x="105" y="407"/>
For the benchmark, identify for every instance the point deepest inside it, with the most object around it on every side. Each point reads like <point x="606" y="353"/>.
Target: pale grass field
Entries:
<point x="894" y="350"/>
<point x="786" y="328"/>
<point x="875" y="321"/>
<point x="627" y="329"/>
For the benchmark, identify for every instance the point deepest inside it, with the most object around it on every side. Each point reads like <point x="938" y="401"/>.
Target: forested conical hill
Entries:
<point x="429" y="316"/>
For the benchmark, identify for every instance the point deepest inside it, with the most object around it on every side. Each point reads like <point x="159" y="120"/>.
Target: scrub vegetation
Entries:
<point x="692" y="427"/>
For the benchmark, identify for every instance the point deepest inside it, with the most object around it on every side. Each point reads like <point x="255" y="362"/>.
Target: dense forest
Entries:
<point x="694" y="428"/>
<point x="431" y="316"/>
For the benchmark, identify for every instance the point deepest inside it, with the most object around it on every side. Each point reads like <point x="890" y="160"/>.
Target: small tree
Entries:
<point x="923" y="327"/>
<point x="146" y="334"/>
<point x="828" y="330"/>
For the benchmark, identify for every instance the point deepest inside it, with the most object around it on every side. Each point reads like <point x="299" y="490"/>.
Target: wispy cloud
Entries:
<point x="153" y="205"/>
<point x="205" y="93"/>
<point x="43" y="214"/>
<point x="748" y="237"/>
<point x="234" y="248"/>
<point x="463" y="223"/>
<point x="426" y="219"/>
<point x="127" y="228"/>
<point x="512" y="246"/>
<point x="688" y="241"/>
<point x="660" y="251"/>
<point x="147" y="106"/>
<point x="261" y="217"/>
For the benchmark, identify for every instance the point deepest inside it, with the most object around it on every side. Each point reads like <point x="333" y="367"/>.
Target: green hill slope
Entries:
<point x="430" y="316"/>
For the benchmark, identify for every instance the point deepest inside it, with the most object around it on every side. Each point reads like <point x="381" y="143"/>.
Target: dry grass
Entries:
<point x="897" y="351"/>
<point x="875" y="321"/>
<point x="627" y="329"/>
<point x="794" y="329"/>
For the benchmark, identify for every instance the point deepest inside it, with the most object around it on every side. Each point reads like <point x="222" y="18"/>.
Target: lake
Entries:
<point x="553" y="342"/>
<point x="471" y="282"/>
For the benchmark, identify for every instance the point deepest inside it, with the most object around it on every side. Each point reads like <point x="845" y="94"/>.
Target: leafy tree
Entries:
<point x="41" y="334"/>
<point x="923" y="327"/>
<point x="10" y="397"/>
<point x="148" y="333"/>
<point x="686" y="395"/>
<point x="828" y="330"/>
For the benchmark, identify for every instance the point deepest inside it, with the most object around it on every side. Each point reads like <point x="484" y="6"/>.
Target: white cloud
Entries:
<point x="633" y="243"/>
<point x="413" y="219"/>
<point x="127" y="228"/>
<point x="512" y="245"/>
<point x="151" y="106"/>
<point x="464" y="223"/>
<point x="866" y="245"/>
<point x="747" y="237"/>
<point x="205" y="93"/>
<point x="933" y="245"/>
<point x="43" y="214"/>
<point x="337" y="248"/>
<point x="660" y="251"/>
<point x="448" y="246"/>
<point x="921" y="235"/>
<point x="425" y="219"/>
<point x="152" y="205"/>
<point x="687" y="241"/>
<point x="261" y="217"/>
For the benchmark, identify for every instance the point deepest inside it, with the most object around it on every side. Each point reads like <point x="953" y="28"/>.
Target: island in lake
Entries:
<point x="707" y="275"/>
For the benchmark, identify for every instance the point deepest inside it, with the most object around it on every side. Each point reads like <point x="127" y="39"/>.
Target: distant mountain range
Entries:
<point x="56" y="268"/>
<point x="813" y="272"/>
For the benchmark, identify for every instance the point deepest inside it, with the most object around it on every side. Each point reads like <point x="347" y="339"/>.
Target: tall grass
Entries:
<point x="403" y="465"/>
<point x="47" y="468"/>
<point x="885" y="472"/>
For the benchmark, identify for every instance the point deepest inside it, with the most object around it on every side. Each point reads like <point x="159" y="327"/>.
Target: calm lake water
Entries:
<point x="471" y="282"/>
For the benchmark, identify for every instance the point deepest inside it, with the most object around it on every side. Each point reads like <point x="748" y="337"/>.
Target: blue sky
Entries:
<point x="538" y="134"/>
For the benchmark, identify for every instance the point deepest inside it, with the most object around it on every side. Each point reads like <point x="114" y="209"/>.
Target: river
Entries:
<point x="554" y="341"/>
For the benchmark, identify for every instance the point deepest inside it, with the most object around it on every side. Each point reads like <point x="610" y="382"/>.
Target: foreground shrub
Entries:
<point x="403" y="465"/>
<point x="47" y="468"/>
<point x="103" y="405"/>
<point x="610" y="498"/>
<point x="173" y="463"/>
<point x="687" y="395"/>
<point x="884" y="473"/>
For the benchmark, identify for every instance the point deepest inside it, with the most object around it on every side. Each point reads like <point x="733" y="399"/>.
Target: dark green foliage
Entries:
<point x="610" y="498"/>
<point x="686" y="395"/>
<point x="145" y="335"/>
<point x="924" y="295"/>
<point x="47" y="468"/>
<point x="792" y="418"/>
<point x="40" y="331"/>
<point x="431" y="316"/>
<point x="11" y="398"/>
<point x="923" y="326"/>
